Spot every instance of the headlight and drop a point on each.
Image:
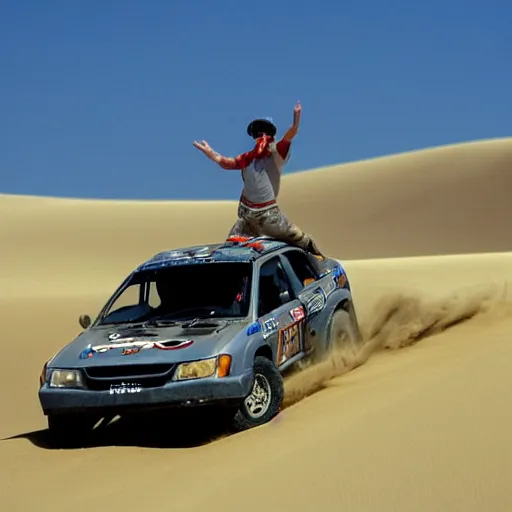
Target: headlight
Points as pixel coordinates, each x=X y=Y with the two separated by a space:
x=218 y=366
x=66 y=379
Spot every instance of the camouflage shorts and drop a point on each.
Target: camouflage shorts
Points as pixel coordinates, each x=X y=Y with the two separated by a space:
x=272 y=223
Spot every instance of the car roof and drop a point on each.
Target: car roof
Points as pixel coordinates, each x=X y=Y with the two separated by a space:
x=248 y=250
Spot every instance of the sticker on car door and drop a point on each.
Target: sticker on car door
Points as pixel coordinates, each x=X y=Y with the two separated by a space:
x=289 y=341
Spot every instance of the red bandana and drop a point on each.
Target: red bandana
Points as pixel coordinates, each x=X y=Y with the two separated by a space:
x=260 y=150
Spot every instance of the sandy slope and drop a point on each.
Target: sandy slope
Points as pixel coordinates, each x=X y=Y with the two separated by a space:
x=422 y=428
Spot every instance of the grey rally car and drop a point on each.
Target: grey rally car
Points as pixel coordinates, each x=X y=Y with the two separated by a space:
x=216 y=325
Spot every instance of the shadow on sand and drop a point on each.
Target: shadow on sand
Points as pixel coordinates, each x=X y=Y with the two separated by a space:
x=148 y=431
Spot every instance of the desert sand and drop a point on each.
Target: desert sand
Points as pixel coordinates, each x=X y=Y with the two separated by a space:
x=420 y=421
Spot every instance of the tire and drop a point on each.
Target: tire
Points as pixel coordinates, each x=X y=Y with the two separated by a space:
x=343 y=334
x=253 y=412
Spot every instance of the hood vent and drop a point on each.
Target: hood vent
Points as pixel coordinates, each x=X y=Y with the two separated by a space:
x=132 y=333
x=203 y=326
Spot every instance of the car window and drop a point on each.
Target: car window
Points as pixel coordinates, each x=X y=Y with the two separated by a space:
x=130 y=298
x=153 y=297
x=301 y=266
x=272 y=282
x=183 y=292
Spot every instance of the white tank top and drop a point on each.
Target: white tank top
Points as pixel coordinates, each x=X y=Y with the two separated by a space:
x=262 y=178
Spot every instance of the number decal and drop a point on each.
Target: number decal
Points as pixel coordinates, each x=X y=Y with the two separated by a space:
x=290 y=341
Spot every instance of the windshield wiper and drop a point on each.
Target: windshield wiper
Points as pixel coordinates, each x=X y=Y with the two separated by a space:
x=192 y=322
x=161 y=322
x=131 y=323
x=144 y=323
x=201 y=321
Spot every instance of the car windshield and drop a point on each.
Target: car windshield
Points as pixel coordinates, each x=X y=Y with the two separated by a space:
x=183 y=292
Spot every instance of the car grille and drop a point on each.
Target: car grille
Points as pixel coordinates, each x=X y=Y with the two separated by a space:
x=146 y=375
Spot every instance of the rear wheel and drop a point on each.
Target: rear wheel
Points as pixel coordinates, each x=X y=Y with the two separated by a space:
x=344 y=335
x=265 y=398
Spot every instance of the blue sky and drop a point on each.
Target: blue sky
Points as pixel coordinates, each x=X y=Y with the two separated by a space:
x=103 y=98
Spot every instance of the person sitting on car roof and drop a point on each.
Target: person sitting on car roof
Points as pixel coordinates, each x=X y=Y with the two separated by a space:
x=258 y=212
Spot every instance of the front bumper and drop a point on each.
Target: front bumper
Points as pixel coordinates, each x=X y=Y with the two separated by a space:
x=195 y=392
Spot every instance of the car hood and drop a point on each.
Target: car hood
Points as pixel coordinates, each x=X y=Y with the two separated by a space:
x=114 y=345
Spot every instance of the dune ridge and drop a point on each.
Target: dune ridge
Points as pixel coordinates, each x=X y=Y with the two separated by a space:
x=416 y=420
x=441 y=201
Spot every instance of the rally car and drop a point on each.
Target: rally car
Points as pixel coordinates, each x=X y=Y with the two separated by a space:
x=216 y=325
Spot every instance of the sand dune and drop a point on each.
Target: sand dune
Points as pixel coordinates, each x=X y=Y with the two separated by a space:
x=446 y=200
x=419 y=420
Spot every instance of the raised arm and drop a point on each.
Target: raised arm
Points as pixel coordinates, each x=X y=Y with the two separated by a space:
x=294 y=128
x=238 y=162
x=224 y=161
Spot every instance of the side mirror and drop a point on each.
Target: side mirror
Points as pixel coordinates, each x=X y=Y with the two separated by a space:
x=284 y=297
x=85 y=321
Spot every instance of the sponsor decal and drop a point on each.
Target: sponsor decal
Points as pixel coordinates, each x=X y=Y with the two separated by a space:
x=134 y=347
x=269 y=327
x=131 y=351
x=125 y=387
x=339 y=277
x=337 y=280
x=131 y=335
x=289 y=343
x=87 y=353
x=253 y=328
x=331 y=285
x=129 y=339
x=316 y=302
x=297 y=313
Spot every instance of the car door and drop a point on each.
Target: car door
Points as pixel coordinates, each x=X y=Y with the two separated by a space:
x=281 y=315
x=311 y=296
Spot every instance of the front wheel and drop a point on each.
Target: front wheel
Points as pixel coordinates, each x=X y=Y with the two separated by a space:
x=265 y=398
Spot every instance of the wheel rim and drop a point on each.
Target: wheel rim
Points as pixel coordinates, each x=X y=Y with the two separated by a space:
x=339 y=336
x=258 y=402
x=343 y=342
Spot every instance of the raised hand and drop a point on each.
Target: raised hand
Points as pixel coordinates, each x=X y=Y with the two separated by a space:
x=204 y=147
x=296 y=114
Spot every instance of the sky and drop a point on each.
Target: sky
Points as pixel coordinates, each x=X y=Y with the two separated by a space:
x=103 y=98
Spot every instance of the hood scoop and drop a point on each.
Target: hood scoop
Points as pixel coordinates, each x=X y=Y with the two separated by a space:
x=203 y=326
x=132 y=333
